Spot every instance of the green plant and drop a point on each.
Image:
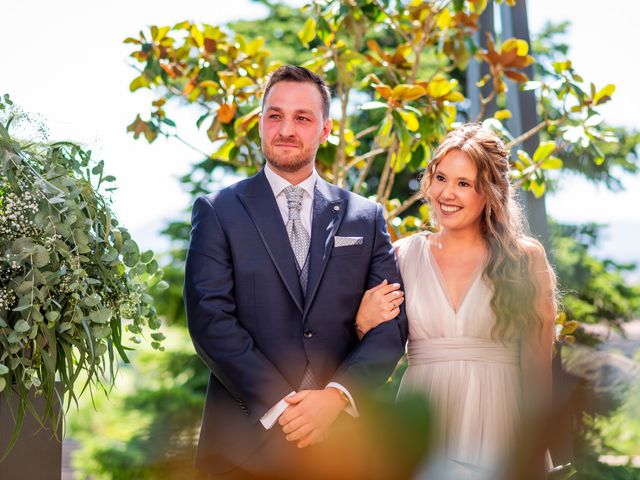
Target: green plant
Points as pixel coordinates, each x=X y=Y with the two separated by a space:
x=71 y=279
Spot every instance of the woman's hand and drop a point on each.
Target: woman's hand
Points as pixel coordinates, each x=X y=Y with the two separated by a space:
x=379 y=304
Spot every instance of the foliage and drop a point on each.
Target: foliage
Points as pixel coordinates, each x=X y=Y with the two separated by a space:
x=70 y=276
x=394 y=67
x=622 y=156
x=593 y=290
x=390 y=65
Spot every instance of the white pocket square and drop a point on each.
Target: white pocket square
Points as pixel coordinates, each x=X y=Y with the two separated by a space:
x=346 y=241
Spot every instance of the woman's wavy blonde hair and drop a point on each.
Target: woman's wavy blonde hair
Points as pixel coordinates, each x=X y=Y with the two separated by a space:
x=509 y=267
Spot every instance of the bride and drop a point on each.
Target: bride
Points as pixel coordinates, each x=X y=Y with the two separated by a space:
x=480 y=299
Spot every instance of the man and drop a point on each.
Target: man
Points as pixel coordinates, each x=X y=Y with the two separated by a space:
x=276 y=269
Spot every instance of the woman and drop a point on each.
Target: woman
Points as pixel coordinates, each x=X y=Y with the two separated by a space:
x=480 y=299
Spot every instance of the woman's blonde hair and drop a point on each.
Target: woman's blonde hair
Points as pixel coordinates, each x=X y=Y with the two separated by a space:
x=509 y=267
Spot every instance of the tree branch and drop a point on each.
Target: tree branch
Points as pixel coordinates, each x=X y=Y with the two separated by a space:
x=365 y=156
x=405 y=205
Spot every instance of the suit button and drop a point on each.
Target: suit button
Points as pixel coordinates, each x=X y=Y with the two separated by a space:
x=308 y=333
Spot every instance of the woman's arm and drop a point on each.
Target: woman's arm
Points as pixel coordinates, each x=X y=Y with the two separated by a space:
x=379 y=304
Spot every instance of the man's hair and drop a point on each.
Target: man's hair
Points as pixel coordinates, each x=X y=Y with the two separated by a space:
x=293 y=73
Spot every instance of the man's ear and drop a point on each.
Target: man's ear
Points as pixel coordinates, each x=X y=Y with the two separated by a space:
x=260 y=125
x=327 y=126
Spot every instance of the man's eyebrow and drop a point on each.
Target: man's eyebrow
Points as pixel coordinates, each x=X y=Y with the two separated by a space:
x=300 y=110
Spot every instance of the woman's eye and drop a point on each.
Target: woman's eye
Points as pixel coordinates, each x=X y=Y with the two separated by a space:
x=464 y=184
x=440 y=178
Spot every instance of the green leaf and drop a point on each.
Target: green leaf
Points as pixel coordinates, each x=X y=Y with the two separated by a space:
x=131 y=259
x=92 y=300
x=537 y=188
x=551 y=163
x=502 y=114
x=604 y=94
x=3 y=369
x=152 y=267
x=101 y=316
x=22 y=326
x=3 y=384
x=543 y=151
x=139 y=82
x=146 y=257
x=410 y=119
x=385 y=132
x=64 y=326
x=40 y=256
x=308 y=32
x=130 y=247
x=52 y=316
x=373 y=105
x=524 y=157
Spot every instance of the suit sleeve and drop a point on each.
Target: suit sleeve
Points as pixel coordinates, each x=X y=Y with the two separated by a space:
x=371 y=362
x=221 y=342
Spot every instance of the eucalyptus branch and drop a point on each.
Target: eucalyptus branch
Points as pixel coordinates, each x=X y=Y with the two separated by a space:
x=405 y=205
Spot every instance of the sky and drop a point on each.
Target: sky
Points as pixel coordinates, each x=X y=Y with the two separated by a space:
x=67 y=63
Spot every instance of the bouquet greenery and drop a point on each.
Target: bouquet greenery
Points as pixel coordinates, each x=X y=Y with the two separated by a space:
x=72 y=280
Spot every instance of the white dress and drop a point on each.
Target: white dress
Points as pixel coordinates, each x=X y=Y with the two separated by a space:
x=471 y=381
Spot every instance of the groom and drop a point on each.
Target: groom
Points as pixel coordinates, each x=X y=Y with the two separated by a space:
x=276 y=268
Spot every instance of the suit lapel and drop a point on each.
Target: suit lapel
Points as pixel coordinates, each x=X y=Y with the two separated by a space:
x=328 y=211
x=257 y=197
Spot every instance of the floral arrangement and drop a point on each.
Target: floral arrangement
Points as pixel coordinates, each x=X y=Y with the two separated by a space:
x=72 y=280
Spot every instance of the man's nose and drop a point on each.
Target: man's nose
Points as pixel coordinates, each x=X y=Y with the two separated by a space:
x=286 y=127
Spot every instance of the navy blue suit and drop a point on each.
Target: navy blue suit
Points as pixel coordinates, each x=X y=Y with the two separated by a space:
x=252 y=325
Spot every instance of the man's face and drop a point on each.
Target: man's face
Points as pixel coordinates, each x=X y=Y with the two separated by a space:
x=292 y=126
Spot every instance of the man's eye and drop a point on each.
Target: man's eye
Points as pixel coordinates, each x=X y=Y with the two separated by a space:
x=274 y=116
x=304 y=119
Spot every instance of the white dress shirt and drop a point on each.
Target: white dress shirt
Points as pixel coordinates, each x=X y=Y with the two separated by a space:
x=278 y=184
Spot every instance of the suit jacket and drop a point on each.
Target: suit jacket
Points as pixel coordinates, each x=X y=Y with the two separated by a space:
x=252 y=325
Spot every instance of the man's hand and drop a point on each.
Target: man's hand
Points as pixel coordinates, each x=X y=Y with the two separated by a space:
x=310 y=414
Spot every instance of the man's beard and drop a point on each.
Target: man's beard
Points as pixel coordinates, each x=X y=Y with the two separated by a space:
x=287 y=163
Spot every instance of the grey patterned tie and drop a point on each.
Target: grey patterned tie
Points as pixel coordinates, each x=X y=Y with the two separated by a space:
x=298 y=236
x=300 y=241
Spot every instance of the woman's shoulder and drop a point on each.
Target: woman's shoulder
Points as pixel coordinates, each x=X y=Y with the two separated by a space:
x=538 y=262
x=410 y=242
x=533 y=249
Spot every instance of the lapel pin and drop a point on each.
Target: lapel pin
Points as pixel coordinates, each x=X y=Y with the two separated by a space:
x=336 y=208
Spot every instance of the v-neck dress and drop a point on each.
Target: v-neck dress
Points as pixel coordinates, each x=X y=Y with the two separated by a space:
x=471 y=380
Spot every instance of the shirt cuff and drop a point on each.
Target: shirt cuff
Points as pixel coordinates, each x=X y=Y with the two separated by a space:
x=351 y=408
x=269 y=419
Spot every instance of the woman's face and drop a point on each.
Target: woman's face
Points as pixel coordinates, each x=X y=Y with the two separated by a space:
x=454 y=198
